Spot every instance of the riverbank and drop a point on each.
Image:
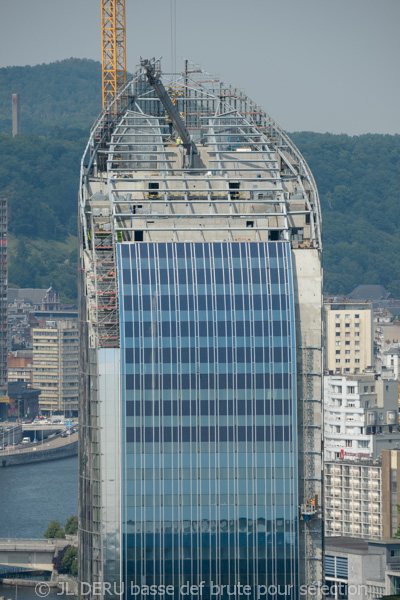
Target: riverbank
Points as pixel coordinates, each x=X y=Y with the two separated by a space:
x=41 y=589
x=59 y=448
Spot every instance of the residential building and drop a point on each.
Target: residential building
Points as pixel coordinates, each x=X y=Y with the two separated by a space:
x=390 y=492
x=391 y=359
x=35 y=298
x=358 y=411
x=20 y=367
x=386 y=336
x=56 y=365
x=348 y=337
x=362 y=496
x=201 y=310
x=353 y=499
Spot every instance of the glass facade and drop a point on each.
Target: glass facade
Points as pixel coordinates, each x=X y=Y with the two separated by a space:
x=209 y=457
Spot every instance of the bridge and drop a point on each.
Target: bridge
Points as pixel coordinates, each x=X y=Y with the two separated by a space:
x=32 y=554
x=51 y=449
x=44 y=427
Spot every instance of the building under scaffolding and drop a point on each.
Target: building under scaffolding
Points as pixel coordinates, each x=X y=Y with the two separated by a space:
x=200 y=292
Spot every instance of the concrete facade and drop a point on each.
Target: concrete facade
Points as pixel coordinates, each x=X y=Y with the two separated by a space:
x=358 y=409
x=353 y=499
x=55 y=366
x=20 y=368
x=32 y=554
x=361 y=497
x=360 y=570
x=390 y=492
x=348 y=337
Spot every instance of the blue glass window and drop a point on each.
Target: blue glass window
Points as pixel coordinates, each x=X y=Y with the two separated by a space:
x=208 y=371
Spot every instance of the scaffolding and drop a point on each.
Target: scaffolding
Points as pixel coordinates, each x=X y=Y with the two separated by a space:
x=104 y=296
x=246 y=181
x=214 y=114
x=310 y=508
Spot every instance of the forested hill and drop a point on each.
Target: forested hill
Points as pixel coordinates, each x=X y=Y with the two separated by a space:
x=357 y=178
x=359 y=187
x=62 y=94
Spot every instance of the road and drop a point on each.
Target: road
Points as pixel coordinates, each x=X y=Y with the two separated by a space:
x=56 y=442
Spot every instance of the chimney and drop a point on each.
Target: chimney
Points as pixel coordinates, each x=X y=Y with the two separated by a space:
x=15 y=115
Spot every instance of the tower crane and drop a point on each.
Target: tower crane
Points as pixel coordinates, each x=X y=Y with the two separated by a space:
x=113 y=48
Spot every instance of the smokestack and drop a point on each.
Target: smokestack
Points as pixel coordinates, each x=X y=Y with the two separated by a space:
x=15 y=115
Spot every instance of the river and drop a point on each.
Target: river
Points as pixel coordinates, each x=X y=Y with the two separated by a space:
x=30 y=497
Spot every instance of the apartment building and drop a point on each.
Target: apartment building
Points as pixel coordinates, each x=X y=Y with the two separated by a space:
x=55 y=366
x=20 y=367
x=391 y=359
x=353 y=499
x=349 y=339
x=361 y=497
x=357 y=410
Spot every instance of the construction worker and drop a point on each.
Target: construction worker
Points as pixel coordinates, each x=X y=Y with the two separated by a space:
x=178 y=141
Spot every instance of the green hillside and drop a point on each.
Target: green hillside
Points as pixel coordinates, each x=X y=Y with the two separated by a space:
x=358 y=182
x=63 y=94
x=357 y=179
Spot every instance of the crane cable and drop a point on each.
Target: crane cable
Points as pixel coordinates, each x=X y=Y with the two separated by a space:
x=173 y=36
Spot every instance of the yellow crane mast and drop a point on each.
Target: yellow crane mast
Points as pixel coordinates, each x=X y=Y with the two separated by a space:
x=113 y=47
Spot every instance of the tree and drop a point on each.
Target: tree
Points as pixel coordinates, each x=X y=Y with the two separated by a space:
x=54 y=530
x=71 y=526
x=57 y=559
x=70 y=560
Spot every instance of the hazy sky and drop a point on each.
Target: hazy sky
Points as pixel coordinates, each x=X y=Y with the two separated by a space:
x=320 y=65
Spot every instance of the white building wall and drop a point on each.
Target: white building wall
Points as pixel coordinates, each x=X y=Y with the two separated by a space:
x=356 y=410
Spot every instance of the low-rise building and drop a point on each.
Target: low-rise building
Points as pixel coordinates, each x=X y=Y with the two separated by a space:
x=358 y=569
x=20 y=367
x=391 y=359
x=24 y=400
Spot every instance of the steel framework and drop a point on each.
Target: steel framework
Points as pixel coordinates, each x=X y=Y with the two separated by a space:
x=113 y=48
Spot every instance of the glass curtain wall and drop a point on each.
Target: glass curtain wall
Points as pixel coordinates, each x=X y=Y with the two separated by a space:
x=209 y=418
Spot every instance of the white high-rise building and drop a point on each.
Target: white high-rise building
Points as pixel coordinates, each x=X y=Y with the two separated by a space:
x=358 y=409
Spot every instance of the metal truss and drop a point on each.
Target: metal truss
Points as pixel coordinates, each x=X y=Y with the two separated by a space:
x=113 y=48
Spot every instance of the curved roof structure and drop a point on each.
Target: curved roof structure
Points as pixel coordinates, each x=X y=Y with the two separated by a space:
x=247 y=174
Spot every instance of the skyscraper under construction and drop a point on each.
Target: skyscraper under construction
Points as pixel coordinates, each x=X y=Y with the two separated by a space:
x=200 y=309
